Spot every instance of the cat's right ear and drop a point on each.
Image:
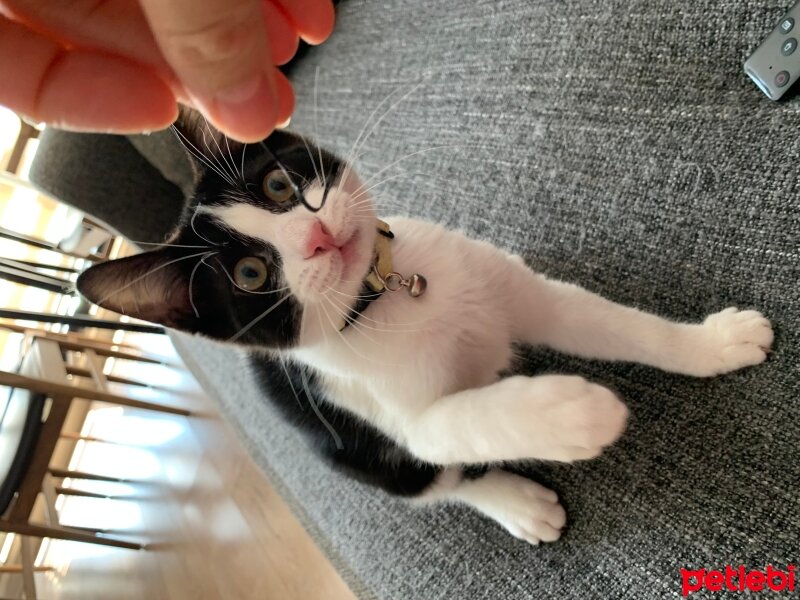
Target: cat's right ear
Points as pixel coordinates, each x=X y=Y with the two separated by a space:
x=153 y=286
x=205 y=145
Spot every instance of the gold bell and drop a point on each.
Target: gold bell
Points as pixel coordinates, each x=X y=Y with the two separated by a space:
x=417 y=285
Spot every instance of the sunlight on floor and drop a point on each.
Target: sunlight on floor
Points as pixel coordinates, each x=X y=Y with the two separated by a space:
x=115 y=425
x=128 y=446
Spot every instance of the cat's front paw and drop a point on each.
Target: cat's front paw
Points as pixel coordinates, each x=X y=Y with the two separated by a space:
x=550 y=417
x=584 y=420
x=730 y=340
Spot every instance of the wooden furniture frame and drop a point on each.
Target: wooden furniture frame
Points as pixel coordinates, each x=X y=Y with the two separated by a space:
x=48 y=352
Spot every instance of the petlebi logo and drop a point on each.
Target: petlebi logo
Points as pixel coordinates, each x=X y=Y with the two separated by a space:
x=739 y=579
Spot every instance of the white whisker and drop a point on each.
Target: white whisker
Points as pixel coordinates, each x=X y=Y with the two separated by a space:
x=230 y=154
x=402 y=158
x=291 y=385
x=361 y=315
x=216 y=160
x=197 y=233
x=221 y=158
x=165 y=245
x=194 y=151
x=249 y=326
x=425 y=181
x=337 y=440
x=191 y=282
x=321 y=328
x=349 y=345
x=244 y=151
x=353 y=153
x=366 y=205
x=386 y=113
x=351 y=323
x=311 y=158
x=316 y=130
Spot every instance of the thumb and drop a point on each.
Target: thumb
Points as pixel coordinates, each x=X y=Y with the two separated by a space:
x=220 y=53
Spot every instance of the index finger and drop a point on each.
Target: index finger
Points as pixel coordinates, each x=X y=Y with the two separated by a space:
x=313 y=19
x=219 y=51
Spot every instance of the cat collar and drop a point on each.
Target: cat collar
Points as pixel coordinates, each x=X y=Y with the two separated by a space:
x=381 y=277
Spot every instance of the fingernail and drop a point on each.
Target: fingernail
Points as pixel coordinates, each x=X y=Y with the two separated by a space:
x=248 y=111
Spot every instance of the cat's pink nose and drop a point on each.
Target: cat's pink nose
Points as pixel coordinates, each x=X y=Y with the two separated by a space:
x=319 y=240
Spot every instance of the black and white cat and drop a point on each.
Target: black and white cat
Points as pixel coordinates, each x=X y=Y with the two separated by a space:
x=403 y=392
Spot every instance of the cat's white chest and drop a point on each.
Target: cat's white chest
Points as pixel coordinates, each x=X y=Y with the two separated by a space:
x=403 y=353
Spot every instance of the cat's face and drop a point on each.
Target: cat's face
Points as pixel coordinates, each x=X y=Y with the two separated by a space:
x=251 y=263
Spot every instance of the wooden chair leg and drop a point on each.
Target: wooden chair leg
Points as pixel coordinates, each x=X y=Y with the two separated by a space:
x=64 y=533
x=108 y=352
x=62 y=491
x=49 y=493
x=77 y=437
x=136 y=382
x=57 y=389
x=96 y=370
x=27 y=559
x=17 y=569
x=26 y=132
x=63 y=473
x=81 y=372
x=92 y=530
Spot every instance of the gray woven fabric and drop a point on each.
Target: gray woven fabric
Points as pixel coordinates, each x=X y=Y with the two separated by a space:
x=618 y=145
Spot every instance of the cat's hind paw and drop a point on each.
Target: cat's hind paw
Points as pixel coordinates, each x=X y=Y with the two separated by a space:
x=527 y=510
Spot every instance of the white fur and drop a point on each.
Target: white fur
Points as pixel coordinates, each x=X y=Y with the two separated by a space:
x=425 y=370
x=528 y=510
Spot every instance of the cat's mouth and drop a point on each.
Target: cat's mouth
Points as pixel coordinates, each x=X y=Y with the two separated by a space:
x=356 y=255
x=349 y=250
x=340 y=262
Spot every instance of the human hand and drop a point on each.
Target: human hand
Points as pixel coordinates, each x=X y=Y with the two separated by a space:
x=122 y=65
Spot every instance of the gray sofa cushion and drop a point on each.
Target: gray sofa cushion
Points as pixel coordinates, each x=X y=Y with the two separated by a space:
x=109 y=178
x=162 y=150
x=617 y=145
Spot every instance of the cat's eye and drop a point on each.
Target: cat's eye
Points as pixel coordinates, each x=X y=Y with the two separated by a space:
x=250 y=273
x=277 y=187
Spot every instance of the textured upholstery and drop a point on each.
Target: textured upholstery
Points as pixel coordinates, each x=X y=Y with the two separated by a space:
x=616 y=144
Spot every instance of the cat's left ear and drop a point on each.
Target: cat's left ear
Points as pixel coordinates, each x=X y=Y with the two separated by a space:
x=153 y=286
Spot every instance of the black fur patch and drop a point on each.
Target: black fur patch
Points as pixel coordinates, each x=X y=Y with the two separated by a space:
x=368 y=455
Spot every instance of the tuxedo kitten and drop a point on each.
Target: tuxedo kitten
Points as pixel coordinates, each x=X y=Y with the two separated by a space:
x=396 y=382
